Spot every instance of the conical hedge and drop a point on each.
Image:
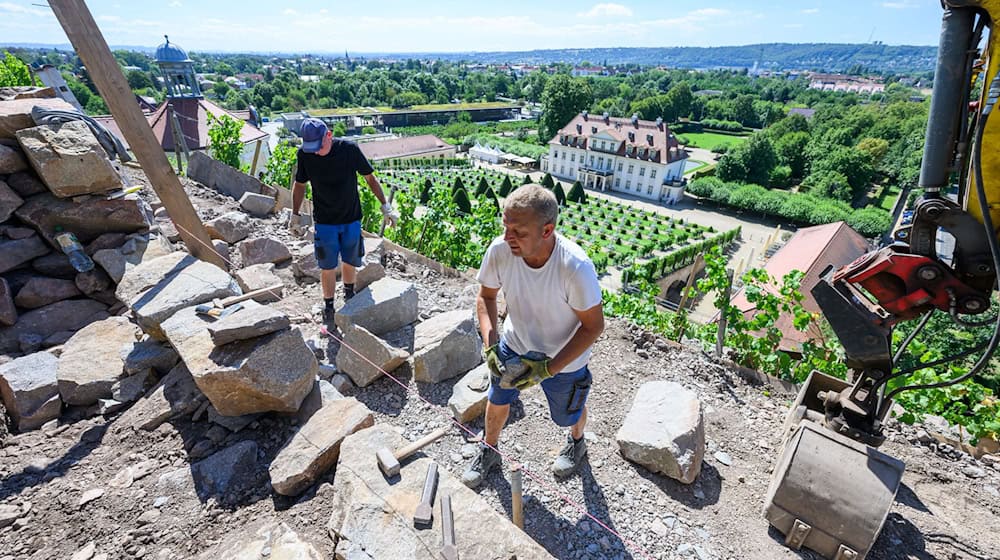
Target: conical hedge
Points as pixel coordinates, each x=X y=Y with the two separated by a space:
x=461 y=199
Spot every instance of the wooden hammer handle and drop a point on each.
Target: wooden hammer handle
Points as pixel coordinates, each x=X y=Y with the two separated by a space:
x=249 y=295
x=412 y=448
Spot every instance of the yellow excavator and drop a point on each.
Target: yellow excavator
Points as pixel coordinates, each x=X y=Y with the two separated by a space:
x=831 y=488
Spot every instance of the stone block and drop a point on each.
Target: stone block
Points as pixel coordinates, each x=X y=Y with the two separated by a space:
x=274 y=372
x=69 y=314
x=263 y=250
x=87 y=217
x=664 y=431
x=41 y=291
x=16 y=114
x=156 y=289
x=468 y=396
x=91 y=361
x=315 y=447
x=69 y=159
x=29 y=390
x=230 y=227
x=360 y=350
x=258 y=276
x=14 y=253
x=250 y=322
x=446 y=345
x=9 y=201
x=11 y=160
x=8 y=313
x=219 y=176
x=257 y=205
x=386 y=305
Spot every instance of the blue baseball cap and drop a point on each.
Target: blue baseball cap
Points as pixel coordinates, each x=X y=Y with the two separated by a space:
x=312 y=132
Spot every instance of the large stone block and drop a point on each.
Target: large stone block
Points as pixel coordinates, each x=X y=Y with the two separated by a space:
x=259 y=276
x=69 y=159
x=9 y=201
x=263 y=250
x=175 y=395
x=66 y=315
x=664 y=431
x=468 y=396
x=274 y=372
x=446 y=345
x=314 y=449
x=16 y=114
x=386 y=305
x=257 y=205
x=149 y=354
x=14 y=253
x=156 y=289
x=29 y=390
x=364 y=357
x=41 y=291
x=304 y=265
x=230 y=227
x=221 y=177
x=26 y=183
x=88 y=218
x=373 y=517
x=250 y=322
x=91 y=361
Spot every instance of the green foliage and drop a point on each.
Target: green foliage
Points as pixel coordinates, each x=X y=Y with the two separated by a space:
x=560 y=194
x=425 y=192
x=339 y=129
x=547 y=182
x=749 y=162
x=224 y=140
x=506 y=187
x=563 y=98
x=458 y=185
x=278 y=171
x=576 y=193
x=14 y=72
x=482 y=186
x=461 y=199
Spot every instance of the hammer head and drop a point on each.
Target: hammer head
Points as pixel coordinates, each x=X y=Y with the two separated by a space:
x=387 y=462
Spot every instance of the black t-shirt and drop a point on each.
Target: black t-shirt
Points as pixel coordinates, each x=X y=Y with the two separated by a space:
x=334 y=182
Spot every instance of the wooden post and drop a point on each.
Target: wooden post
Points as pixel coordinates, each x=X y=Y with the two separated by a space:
x=86 y=38
x=720 y=338
x=176 y=124
x=256 y=155
x=176 y=134
x=690 y=280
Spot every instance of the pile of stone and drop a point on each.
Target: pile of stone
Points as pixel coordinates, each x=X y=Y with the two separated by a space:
x=58 y=178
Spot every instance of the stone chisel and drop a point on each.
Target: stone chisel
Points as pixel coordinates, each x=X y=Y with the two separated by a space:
x=449 y=550
x=425 y=511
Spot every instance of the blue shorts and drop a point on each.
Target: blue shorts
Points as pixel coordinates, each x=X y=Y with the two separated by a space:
x=566 y=392
x=333 y=243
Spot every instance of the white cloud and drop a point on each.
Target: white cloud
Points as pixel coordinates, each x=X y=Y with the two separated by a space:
x=901 y=5
x=9 y=8
x=607 y=10
x=175 y=4
x=290 y=12
x=811 y=11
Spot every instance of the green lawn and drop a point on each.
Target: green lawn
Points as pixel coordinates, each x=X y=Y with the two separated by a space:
x=887 y=199
x=709 y=140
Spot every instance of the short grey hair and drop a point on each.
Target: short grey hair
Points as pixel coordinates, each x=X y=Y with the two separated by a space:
x=535 y=198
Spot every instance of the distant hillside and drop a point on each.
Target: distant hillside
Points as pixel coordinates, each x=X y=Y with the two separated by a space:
x=773 y=56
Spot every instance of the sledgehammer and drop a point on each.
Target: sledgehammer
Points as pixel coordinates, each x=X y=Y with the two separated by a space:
x=388 y=460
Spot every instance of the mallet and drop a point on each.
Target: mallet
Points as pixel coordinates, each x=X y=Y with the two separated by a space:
x=388 y=460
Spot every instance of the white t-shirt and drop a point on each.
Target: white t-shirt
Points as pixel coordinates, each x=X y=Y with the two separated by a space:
x=540 y=301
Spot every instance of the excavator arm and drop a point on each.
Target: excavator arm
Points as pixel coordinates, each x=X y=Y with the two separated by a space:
x=831 y=488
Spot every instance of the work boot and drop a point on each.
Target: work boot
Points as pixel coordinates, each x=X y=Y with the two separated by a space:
x=480 y=466
x=348 y=291
x=329 y=313
x=569 y=457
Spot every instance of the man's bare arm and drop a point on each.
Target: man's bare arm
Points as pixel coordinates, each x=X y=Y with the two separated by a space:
x=591 y=327
x=486 y=312
x=298 y=193
x=375 y=186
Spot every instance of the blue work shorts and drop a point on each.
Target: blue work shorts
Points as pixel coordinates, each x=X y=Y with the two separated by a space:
x=335 y=242
x=566 y=392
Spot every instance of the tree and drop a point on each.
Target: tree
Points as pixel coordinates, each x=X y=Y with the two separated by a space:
x=560 y=194
x=458 y=185
x=339 y=129
x=563 y=98
x=547 y=181
x=527 y=179
x=576 y=193
x=482 y=186
x=14 y=72
x=425 y=192
x=224 y=140
x=220 y=89
x=368 y=130
x=751 y=161
x=137 y=79
x=791 y=151
x=461 y=199
x=279 y=165
x=506 y=186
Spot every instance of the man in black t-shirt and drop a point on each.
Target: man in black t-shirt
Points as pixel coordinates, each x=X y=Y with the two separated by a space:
x=331 y=165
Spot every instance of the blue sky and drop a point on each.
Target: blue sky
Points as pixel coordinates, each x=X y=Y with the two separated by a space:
x=455 y=25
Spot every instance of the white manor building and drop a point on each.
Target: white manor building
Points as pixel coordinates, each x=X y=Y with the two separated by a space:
x=641 y=158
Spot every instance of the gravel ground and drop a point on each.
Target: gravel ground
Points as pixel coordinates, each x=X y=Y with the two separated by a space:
x=947 y=507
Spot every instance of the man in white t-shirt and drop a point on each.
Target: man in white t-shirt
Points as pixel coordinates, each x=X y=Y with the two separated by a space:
x=554 y=316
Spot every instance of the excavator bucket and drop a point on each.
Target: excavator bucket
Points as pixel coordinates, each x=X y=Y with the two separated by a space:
x=829 y=493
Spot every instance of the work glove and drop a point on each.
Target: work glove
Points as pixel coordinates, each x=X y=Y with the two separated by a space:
x=492 y=359
x=536 y=370
x=294 y=227
x=389 y=214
